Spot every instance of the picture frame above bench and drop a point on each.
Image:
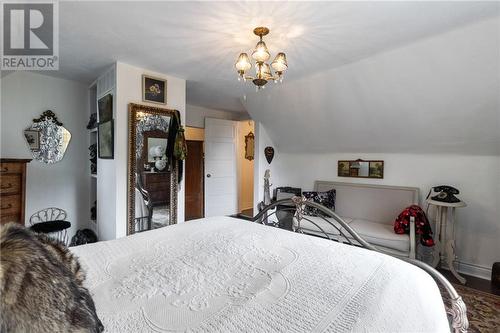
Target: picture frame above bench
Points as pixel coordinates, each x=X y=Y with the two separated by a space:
x=361 y=169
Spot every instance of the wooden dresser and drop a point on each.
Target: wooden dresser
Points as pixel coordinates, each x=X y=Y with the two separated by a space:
x=12 y=189
x=158 y=186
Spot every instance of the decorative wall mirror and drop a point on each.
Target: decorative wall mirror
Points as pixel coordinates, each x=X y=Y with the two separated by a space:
x=361 y=169
x=47 y=138
x=249 y=146
x=153 y=173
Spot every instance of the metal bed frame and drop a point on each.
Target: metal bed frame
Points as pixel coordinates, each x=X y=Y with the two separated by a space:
x=297 y=205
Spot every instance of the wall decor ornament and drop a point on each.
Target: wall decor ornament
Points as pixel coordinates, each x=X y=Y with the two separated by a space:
x=269 y=153
x=92 y=121
x=250 y=146
x=93 y=158
x=47 y=138
x=154 y=90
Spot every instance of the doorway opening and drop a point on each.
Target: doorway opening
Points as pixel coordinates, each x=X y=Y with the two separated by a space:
x=219 y=169
x=246 y=154
x=194 y=174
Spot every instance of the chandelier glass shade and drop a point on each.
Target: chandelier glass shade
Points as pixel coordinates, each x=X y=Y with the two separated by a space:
x=261 y=55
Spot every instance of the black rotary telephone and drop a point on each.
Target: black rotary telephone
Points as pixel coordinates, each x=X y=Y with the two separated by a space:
x=444 y=193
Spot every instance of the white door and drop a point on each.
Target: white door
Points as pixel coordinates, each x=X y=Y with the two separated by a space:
x=221 y=186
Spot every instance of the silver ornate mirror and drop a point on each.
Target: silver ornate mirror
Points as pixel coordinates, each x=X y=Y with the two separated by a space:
x=47 y=138
x=152 y=172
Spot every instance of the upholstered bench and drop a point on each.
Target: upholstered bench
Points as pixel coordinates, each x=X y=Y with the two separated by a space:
x=370 y=210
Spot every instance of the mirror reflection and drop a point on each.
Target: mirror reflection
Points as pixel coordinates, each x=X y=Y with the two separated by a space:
x=47 y=138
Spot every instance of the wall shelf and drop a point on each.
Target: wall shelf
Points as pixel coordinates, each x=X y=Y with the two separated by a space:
x=92 y=139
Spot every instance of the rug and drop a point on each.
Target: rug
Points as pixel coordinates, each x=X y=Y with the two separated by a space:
x=483 y=309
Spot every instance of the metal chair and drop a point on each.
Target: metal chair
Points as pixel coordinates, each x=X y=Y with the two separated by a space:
x=51 y=221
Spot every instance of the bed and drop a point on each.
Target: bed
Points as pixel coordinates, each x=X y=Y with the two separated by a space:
x=224 y=274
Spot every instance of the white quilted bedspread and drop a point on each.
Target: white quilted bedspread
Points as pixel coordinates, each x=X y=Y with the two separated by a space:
x=228 y=275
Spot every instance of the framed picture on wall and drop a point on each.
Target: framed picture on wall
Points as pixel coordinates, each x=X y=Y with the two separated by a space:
x=154 y=90
x=105 y=106
x=361 y=169
x=33 y=139
x=106 y=140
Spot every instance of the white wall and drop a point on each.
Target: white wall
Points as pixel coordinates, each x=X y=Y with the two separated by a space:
x=262 y=141
x=195 y=115
x=477 y=178
x=65 y=184
x=245 y=167
x=128 y=90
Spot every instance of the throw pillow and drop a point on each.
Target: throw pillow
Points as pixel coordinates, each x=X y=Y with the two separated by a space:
x=326 y=199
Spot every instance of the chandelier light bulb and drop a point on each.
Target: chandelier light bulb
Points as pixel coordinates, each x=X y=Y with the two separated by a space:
x=243 y=63
x=261 y=53
x=280 y=64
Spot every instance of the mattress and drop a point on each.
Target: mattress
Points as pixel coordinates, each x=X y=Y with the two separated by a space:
x=227 y=275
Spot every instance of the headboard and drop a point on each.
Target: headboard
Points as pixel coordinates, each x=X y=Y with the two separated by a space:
x=378 y=203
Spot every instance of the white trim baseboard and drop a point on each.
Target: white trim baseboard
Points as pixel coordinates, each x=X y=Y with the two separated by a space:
x=479 y=271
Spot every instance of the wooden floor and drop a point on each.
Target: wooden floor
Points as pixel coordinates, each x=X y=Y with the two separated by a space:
x=473 y=282
x=247 y=212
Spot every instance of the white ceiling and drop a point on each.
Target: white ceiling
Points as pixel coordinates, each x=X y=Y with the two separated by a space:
x=200 y=41
x=438 y=95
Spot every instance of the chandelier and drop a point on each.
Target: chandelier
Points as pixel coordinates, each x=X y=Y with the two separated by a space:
x=261 y=54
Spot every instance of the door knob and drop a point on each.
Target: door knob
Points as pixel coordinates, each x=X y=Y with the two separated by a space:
x=209 y=175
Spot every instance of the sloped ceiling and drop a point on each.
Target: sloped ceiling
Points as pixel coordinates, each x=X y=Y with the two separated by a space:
x=199 y=41
x=437 y=95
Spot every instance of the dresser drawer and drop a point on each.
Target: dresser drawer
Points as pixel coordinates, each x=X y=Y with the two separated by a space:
x=10 y=205
x=10 y=184
x=10 y=218
x=159 y=177
x=153 y=187
x=11 y=168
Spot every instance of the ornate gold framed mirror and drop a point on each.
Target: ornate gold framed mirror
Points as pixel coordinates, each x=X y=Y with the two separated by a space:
x=153 y=172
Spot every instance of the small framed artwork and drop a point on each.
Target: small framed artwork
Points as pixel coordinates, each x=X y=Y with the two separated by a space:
x=361 y=169
x=376 y=169
x=343 y=169
x=105 y=106
x=154 y=90
x=33 y=139
x=106 y=140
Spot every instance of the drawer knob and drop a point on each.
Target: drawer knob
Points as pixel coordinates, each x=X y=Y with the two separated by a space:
x=7 y=206
x=4 y=187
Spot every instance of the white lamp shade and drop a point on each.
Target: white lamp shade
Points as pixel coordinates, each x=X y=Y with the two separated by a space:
x=280 y=64
x=261 y=54
x=263 y=71
x=243 y=63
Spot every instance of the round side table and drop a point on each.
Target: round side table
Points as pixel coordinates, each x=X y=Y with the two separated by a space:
x=444 y=248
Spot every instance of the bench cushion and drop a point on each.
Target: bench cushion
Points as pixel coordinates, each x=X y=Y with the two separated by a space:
x=381 y=234
x=307 y=225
